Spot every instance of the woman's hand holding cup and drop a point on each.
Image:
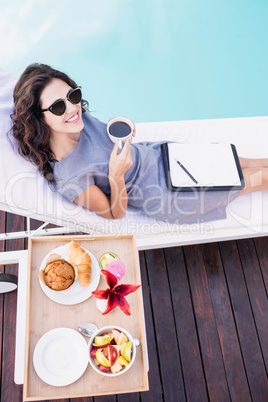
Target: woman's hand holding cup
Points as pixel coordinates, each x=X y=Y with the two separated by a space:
x=120 y=162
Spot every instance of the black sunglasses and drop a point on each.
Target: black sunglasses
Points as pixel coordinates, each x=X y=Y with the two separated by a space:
x=59 y=106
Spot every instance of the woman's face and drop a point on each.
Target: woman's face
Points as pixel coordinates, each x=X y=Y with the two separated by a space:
x=71 y=120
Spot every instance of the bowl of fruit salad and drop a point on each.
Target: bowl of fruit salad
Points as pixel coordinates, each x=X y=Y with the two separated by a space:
x=112 y=351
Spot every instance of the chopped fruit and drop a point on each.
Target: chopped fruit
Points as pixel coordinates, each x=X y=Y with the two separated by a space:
x=104 y=369
x=122 y=347
x=116 y=334
x=112 y=355
x=121 y=339
x=127 y=351
x=102 y=359
x=93 y=352
x=122 y=361
x=111 y=335
x=118 y=348
x=105 y=351
x=100 y=346
x=102 y=340
x=116 y=367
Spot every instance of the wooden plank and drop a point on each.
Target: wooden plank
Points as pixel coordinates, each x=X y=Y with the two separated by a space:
x=132 y=397
x=107 y=398
x=233 y=362
x=167 y=344
x=185 y=324
x=155 y=387
x=207 y=329
x=59 y=400
x=256 y=291
x=252 y=356
x=261 y=244
x=9 y=390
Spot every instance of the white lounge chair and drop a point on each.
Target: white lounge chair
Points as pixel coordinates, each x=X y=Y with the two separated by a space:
x=23 y=191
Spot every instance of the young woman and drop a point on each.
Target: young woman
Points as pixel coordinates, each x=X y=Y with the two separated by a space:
x=71 y=148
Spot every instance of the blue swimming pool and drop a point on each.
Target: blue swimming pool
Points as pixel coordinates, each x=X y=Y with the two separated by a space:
x=150 y=60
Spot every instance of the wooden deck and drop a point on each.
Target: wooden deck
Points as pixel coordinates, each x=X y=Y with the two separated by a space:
x=206 y=311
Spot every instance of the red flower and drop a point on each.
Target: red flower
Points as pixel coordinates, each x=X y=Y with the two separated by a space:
x=115 y=294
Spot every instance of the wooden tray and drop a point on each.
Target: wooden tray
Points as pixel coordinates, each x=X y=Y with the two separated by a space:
x=43 y=314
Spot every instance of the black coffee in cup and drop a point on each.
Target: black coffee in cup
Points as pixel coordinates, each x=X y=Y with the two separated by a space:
x=119 y=129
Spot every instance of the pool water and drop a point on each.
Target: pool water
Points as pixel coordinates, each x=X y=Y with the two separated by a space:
x=149 y=60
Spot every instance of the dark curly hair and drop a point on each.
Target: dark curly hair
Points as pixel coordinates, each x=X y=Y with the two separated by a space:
x=29 y=127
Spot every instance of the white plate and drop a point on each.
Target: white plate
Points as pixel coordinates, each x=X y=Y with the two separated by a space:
x=76 y=294
x=60 y=356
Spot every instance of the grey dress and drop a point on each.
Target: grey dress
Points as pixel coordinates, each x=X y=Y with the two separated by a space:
x=145 y=180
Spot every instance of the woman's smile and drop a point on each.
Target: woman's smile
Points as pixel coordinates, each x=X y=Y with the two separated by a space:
x=73 y=119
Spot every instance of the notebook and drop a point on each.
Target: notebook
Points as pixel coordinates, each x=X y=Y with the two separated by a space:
x=202 y=167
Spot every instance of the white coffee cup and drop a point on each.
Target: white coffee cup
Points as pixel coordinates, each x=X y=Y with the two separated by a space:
x=120 y=129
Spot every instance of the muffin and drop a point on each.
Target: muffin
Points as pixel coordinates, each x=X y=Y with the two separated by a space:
x=58 y=273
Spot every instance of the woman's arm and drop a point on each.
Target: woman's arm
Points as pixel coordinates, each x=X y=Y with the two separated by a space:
x=93 y=197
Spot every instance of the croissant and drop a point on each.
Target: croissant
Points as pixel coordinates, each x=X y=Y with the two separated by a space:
x=82 y=261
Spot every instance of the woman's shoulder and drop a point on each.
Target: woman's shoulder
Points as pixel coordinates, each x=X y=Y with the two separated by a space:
x=92 y=122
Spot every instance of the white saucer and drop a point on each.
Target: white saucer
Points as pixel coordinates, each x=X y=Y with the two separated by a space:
x=60 y=356
x=76 y=294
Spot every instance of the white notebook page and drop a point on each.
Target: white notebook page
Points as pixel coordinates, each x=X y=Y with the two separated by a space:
x=210 y=164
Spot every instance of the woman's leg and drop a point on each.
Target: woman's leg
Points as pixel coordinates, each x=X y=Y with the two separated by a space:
x=253 y=163
x=256 y=179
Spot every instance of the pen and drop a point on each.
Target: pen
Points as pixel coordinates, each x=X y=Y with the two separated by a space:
x=186 y=171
